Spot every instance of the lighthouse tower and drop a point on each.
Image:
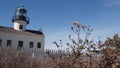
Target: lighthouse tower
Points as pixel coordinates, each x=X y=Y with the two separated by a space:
x=20 y=19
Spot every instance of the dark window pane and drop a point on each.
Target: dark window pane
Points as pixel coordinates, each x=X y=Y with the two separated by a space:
x=31 y=44
x=0 y=42
x=8 y=42
x=38 y=45
x=20 y=27
x=20 y=45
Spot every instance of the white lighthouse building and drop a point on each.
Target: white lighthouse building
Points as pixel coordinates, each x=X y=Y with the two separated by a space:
x=20 y=19
x=21 y=38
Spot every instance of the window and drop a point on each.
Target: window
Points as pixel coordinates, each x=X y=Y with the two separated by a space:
x=31 y=44
x=20 y=45
x=0 y=42
x=38 y=45
x=20 y=27
x=8 y=42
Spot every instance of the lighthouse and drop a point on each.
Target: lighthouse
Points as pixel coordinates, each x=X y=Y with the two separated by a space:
x=20 y=19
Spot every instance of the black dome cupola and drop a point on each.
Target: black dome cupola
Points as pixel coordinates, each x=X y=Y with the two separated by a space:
x=21 y=10
x=21 y=14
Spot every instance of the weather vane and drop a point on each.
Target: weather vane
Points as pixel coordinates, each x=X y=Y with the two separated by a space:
x=20 y=2
x=74 y=19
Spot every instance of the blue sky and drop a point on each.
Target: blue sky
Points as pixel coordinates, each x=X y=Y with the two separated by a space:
x=56 y=16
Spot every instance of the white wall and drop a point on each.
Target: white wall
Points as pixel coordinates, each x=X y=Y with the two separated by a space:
x=17 y=23
x=26 y=38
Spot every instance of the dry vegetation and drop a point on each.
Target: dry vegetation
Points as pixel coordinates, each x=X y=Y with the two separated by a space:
x=81 y=53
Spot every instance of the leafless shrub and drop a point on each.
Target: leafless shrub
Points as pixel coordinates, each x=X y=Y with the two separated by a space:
x=12 y=58
x=99 y=55
x=110 y=52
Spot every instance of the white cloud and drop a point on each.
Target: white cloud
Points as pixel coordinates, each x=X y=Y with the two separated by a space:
x=112 y=3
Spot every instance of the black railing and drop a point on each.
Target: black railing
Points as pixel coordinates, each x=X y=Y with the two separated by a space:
x=21 y=17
